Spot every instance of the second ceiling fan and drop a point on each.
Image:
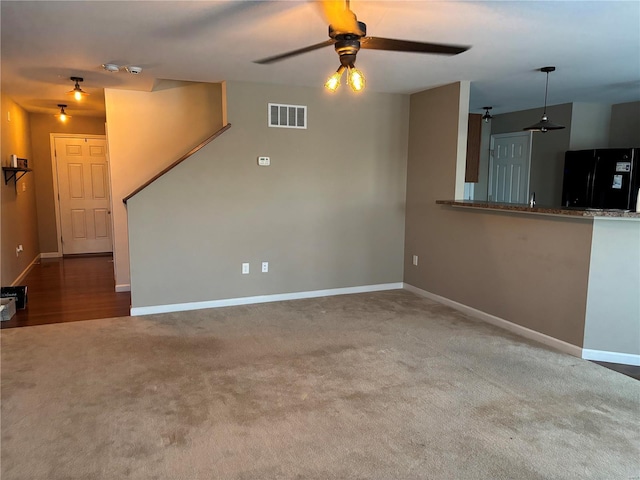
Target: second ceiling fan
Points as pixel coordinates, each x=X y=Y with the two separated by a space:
x=348 y=35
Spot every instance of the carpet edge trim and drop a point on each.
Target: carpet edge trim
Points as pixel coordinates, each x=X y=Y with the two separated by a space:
x=278 y=297
x=525 y=332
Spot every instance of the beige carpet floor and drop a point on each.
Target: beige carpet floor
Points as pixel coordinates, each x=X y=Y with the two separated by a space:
x=373 y=386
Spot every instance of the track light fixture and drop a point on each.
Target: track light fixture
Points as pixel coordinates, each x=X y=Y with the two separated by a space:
x=62 y=116
x=487 y=116
x=544 y=125
x=355 y=79
x=77 y=92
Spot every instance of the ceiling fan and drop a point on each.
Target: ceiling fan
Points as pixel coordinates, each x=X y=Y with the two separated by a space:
x=348 y=35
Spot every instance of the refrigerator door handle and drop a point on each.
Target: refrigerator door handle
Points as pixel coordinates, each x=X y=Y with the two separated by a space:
x=591 y=181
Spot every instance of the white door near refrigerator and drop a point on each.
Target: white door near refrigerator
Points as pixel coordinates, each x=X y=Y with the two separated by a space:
x=509 y=166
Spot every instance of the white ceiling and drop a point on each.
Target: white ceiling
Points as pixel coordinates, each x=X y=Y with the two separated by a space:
x=595 y=46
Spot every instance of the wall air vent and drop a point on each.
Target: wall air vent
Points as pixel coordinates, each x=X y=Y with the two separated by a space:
x=287 y=116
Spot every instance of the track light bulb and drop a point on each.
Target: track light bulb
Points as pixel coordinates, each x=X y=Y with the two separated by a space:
x=356 y=79
x=333 y=82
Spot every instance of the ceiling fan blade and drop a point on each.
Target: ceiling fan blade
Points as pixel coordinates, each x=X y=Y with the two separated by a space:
x=293 y=53
x=376 y=43
x=340 y=17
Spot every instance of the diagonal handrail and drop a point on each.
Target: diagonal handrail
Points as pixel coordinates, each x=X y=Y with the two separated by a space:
x=177 y=162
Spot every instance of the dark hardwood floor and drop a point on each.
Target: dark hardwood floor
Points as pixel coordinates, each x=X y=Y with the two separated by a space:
x=70 y=289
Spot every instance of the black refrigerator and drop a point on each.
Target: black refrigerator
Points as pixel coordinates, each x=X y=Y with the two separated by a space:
x=602 y=178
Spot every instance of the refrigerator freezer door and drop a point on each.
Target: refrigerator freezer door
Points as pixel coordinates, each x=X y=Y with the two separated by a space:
x=577 y=184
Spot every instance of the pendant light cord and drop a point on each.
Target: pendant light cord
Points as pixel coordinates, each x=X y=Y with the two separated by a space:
x=546 y=89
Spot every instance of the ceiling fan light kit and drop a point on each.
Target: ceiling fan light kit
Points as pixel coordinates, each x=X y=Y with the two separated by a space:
x=77 y=92
x=355 y=79
x=544 y=125
x=348 y=35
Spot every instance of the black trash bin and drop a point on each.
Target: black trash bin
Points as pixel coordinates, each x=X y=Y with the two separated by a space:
x=19 y=292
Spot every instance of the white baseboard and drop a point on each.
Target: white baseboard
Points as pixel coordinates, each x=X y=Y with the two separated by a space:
x=26 y=271
x=500 y=322
x=611 y=357
x=51 y=255
x=123 y=287
x=230 y=302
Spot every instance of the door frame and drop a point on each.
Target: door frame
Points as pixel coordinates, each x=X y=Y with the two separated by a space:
x=491 y=152
x=56 y=191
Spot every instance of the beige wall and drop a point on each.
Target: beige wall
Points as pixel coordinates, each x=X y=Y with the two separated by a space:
x=590 y=123
x=328 y=212
x=531 y=271
x=18 y=218
x=148 y=131
x=41 y=127
x=625 y=125
x=547 y=152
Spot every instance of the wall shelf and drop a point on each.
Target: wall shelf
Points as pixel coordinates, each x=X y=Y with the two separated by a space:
x=15 y=174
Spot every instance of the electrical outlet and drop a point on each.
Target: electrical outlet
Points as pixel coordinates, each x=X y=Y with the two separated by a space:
x=415 y=260
x=245 y=268
x=265 y=267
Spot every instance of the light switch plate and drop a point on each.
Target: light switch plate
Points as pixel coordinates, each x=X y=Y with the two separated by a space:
x=264 y=161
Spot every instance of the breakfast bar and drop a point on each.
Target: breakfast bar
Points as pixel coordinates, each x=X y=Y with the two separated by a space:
x=612 y=310
x=542 y=210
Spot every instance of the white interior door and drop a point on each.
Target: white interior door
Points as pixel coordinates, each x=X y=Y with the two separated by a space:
x=509 y=165
x=83 y=188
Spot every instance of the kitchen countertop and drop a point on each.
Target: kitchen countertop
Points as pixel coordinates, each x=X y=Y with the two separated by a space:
x=541 y=209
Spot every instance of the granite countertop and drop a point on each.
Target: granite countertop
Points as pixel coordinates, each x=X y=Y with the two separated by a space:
x=541 y=209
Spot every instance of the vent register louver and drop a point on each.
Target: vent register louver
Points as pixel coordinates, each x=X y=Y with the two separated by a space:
x=287 y=116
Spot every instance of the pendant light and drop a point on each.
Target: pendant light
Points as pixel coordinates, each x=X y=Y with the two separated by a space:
x=62 y=116
x=77 y=92
x=544 y=125
x=487 y=116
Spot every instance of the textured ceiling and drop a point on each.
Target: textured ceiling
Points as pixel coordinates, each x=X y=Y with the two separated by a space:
x=595 y=46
